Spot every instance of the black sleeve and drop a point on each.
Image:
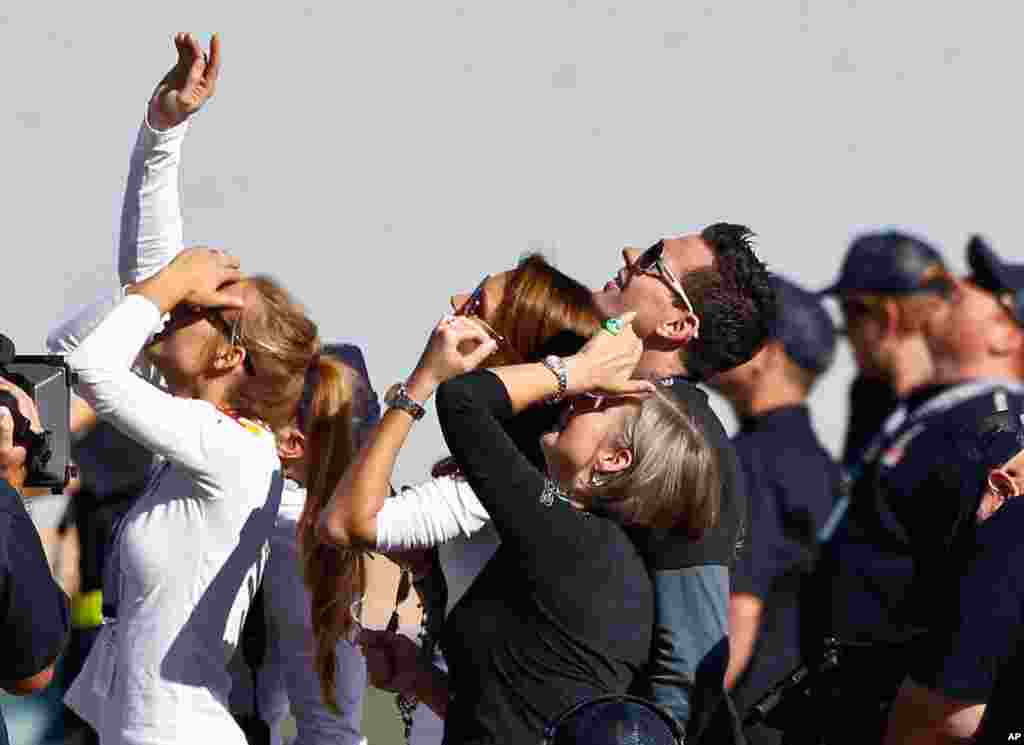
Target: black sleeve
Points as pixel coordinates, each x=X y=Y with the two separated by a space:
x=471 y=409
x=34 y=617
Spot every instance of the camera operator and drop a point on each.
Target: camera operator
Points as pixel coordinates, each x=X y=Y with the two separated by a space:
x=34 y=617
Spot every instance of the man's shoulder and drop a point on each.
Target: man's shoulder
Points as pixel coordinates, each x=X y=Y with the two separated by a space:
x=11 y=505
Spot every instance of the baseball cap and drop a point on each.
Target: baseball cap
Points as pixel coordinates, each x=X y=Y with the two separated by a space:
x=614 y=720
x=990 y=273
x=889 y=263
x=803 y=326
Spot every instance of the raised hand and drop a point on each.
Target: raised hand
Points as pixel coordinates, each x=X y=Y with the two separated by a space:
x=457 y=345
x=197 y=276
x=189 y=84
x=607 y=361
x=13 y=457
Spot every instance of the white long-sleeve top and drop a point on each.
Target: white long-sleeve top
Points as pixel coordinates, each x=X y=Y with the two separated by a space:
x=446 y=513
x=190 y=553
x=151 y=236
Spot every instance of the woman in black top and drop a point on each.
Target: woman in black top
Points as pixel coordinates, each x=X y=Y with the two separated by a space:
x=564 y=610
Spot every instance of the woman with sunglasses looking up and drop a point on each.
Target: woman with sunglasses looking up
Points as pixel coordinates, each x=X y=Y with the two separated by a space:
x=564 y=610
x=240 y=363
x=524 y=312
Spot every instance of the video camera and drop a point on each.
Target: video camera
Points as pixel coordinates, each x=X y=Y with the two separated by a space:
x=47 y=379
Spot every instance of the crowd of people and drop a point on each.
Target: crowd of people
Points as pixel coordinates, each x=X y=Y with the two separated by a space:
x=597 y=561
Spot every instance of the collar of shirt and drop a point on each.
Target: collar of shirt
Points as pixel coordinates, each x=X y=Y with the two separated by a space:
x=784 y=417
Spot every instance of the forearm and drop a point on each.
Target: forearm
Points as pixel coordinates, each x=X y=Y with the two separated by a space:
x=151 y=221
x=533 y=383
x=690 y=637
x=351 y=515
x=744 y=622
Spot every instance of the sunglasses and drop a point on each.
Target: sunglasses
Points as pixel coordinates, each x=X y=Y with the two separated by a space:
x=585 y=403
x=471 y=309
x=652 y=262
x=231 y=331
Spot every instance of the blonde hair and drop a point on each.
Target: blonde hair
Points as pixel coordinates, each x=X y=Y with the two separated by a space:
x=673 y=481
x=334 y=576
x=280 y=341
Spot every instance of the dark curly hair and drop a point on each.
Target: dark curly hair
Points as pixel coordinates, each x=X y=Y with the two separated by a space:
x=734 y=299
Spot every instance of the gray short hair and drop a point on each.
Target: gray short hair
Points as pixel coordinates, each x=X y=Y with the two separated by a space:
x=673 y=481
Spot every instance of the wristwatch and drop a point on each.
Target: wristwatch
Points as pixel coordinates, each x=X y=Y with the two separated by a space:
x=557 y=367
x=397 y=397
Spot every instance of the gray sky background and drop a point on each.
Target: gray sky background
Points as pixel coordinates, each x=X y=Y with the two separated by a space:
x=380 y=156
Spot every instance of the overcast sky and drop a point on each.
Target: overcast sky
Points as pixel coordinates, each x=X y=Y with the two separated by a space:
x=379 y=156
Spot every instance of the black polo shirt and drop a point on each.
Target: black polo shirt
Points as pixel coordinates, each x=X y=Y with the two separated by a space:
x=871 y=403
x=973 y=653
x=793 y=485
x=868 y=566
x=34 y=618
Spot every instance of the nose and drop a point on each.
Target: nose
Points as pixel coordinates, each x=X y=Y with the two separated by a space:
x=458 y=301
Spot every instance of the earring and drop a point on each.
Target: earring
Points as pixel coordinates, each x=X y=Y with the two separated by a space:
x=596 y=481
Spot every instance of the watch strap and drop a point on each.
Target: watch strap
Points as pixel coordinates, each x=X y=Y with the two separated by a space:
x=398 y=398
x=557 y=367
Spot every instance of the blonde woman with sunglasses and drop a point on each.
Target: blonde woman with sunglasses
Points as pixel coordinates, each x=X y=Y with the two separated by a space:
x=563 y=611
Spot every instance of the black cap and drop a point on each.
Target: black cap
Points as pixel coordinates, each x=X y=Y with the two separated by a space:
x=614 y=720
x=888 y=263
x=803 y=326
x=990 y=273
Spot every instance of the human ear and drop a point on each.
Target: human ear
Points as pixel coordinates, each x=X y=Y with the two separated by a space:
x=680 y=329
x=229 y=357
x=291 y=443
x=1002 y=485
x=611 y=460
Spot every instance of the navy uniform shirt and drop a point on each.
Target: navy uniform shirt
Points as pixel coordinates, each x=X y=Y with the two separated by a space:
x=793 y=484
x=869 y=562
x=973 y=653
x=871 y=403
x=34 y=619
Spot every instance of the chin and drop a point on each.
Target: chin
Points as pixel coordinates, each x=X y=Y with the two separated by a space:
x=608 y=302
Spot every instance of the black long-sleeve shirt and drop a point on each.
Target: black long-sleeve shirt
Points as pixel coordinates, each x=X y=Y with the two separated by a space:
x=563 y=612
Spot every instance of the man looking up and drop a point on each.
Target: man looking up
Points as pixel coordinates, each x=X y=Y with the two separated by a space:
x=704 y=304
x=793 y=483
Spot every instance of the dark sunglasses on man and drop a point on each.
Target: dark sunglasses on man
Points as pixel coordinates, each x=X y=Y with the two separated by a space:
x=652 y=263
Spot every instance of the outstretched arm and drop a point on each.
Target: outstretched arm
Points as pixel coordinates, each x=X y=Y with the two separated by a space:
x=151 y=223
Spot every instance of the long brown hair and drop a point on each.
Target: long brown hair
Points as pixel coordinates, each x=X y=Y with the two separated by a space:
x=540 y=302
x=334 y=576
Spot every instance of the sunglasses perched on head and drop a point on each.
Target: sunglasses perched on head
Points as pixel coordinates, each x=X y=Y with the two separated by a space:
x=652 y=262
x=471 y=309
